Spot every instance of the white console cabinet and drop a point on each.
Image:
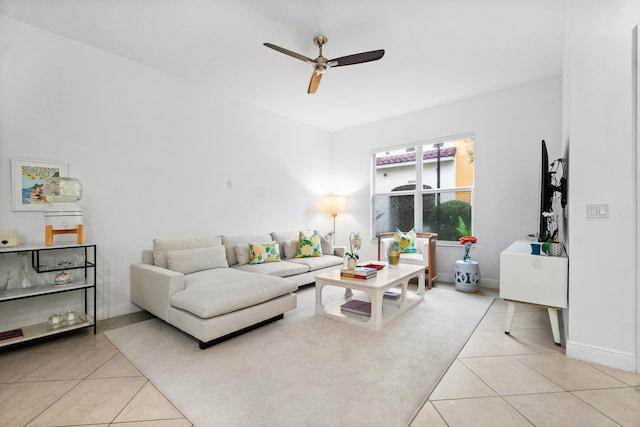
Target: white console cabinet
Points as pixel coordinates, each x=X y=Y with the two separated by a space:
x=533 y=279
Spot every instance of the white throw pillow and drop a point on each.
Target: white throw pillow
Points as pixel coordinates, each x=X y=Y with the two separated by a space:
x=243 y=254
x=290 y=248
x=191 y=260
x=327 y=242
x=161 y=246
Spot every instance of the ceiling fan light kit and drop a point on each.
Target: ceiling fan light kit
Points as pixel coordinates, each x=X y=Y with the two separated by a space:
x=322 y=64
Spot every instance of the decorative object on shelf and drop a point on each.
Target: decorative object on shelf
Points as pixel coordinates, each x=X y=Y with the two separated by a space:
x=355 y=243
x=78 y=260
x=24 y=279
x=72 y=316
x=467 y=241
x=333 y=205
x=28 y=178
x=555 y=249
x=552 y=246
x=535 y=248
x=63 y=278
x=8 y=238
x=14 y=333
x=55 y=319
x=393 y=255
x=4 y=280
x=61 y=320
x=63 y=216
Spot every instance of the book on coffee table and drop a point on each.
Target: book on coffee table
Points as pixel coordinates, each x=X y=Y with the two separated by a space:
x=356 y=306
x=392 y=294
x=359 y=273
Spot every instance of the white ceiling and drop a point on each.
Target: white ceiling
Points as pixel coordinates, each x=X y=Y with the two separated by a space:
x=437 y=51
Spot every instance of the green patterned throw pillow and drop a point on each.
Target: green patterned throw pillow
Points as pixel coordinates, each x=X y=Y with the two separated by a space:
x=406 y=241
x=309 y=246
x=264 y=252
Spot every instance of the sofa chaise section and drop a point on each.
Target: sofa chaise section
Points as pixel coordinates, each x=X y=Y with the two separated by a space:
x=210 y=288
x=212 y=304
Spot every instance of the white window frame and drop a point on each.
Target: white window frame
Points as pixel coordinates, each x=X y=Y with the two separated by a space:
x=419 y=191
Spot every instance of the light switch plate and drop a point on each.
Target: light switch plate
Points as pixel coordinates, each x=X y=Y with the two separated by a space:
x=598 y=210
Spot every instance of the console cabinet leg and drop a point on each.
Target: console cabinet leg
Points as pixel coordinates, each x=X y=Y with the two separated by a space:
x=511 y=311
x=555 y=325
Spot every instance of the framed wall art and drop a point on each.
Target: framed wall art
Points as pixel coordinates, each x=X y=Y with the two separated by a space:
x=27 y=180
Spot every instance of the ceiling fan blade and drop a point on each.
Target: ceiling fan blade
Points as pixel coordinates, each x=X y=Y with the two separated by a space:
x=315 y=81
x=290 y=53
x=357 y=58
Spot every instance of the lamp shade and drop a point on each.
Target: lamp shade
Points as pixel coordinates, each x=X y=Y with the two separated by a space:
x=333 y=204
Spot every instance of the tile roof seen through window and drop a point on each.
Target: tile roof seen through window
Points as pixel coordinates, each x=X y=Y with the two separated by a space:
x=411 y=157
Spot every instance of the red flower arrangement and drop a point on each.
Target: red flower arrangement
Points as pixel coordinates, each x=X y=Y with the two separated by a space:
x=467 y=241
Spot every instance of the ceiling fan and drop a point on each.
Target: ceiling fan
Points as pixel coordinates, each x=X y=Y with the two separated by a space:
x=322 y=64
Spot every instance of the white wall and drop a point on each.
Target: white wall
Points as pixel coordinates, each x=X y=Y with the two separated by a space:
x=508 y=126
x=602 y=287
x=153 y=152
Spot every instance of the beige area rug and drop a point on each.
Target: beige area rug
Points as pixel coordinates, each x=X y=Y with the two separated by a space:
x=307 y=370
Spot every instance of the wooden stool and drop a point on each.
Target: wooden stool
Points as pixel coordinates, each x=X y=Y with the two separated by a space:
x=49 y=232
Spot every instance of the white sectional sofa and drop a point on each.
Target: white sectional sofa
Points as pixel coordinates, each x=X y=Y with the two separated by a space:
x=208 y=287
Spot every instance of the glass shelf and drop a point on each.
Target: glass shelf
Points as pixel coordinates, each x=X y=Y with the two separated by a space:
x=37 y=290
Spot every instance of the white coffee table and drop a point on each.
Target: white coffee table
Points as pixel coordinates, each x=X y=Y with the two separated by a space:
x=386 y=278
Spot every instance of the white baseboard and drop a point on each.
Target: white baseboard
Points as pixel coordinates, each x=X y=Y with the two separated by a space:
x=114 y=311
x=484 y=283
x=601 y=356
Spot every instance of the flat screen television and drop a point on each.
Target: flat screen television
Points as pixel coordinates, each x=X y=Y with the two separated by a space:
x=546 y=192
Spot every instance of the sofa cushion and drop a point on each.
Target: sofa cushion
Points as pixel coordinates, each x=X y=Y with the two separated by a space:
x=211 y=293
x=287 y=236
x=317 y=263
x=279 y=269
x=327 y=243
x=264 y=252
x=406 y=241
x=191 y=260
x=243 y=255
x=309 y=245
x=230 y=243
x=290 y=248
x=161 y=246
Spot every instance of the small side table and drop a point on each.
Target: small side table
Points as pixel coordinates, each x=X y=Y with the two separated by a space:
x=467 y=276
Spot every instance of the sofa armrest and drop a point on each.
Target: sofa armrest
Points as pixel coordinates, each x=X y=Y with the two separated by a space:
x=152 y=287
x=339 y=251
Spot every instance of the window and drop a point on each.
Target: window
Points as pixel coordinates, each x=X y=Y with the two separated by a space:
x=428 y=187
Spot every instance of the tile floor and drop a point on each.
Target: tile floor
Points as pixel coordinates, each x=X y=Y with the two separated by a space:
x=496 y=380
x=80 y=379
x=524 y=379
